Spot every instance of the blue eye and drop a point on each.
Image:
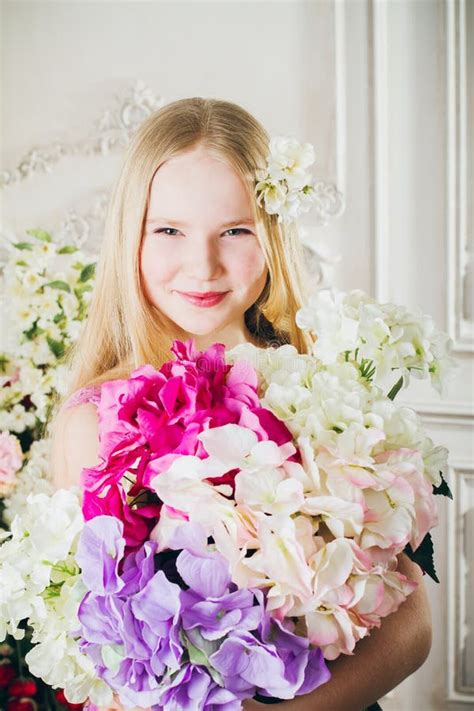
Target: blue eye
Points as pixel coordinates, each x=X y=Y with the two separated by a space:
x=164 y=229
x=237 y=229
x=167 y=230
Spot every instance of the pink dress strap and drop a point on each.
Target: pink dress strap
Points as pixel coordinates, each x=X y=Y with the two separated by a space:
x=91 y=393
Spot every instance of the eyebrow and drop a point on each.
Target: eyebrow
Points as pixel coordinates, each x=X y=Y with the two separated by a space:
x=243 y=221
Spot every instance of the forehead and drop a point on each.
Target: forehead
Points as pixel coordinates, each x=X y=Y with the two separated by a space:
x=197 y=184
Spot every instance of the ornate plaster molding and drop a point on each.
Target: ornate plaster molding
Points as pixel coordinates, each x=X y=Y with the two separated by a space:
x=112 y=132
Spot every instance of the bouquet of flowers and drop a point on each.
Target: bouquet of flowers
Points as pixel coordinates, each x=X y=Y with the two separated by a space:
x=244 y=520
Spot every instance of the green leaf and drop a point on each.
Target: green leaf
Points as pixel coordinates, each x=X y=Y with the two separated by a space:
x=367 y=369
x=88 y=272
x=67 y=249
x=59 y=318
x=424 y=556
x=82 y=310
x=393 y=392
x=443 y=489
x=40 y=234
x=56 y=347
x=4 y=360
x=58 y=284
x=21 y=263
x=24 y=245
x=79 y=290
x=32 y=332
x=53 y=590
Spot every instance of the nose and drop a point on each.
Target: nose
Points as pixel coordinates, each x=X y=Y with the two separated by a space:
x=203 y=261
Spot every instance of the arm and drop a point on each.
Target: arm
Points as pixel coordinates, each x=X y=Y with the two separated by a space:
x=74 y=444
x=381 y=660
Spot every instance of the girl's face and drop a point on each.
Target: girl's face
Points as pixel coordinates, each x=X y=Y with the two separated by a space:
x=201 y=262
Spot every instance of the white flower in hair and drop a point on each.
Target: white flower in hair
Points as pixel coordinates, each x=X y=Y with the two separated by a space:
x=289 y=159
x=286 y=186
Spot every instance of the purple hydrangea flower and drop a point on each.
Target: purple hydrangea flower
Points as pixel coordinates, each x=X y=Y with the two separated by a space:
x=247 y=665
x=99 y=552
x=200 y=645
x=130 y=624
x=283 y=669
x=193 y=689
x=304 y=666
x=212 y=604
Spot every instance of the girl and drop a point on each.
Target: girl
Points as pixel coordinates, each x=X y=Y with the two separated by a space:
x=188 y=252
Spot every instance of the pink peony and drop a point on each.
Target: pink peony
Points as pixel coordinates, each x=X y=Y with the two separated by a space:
x=138 y=520
x=155 y=416
x=11 y=458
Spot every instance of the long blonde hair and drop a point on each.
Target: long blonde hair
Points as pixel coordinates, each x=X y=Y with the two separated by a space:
x=123 y=329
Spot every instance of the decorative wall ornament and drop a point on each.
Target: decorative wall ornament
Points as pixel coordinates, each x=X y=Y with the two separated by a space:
x=112 y=132
x=85 y=230
x=460 y=256
x=320 y=261
x=460 y=607
x=329 y=203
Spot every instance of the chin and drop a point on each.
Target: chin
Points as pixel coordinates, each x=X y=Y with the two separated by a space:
x=197 y=330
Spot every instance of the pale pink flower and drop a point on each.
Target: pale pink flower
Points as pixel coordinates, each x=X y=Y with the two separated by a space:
x=334 y=629
x=409 y=465
x=11 y=458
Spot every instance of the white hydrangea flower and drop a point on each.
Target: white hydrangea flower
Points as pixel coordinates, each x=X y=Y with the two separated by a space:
x=30 y=377
x=4 y=420
x=47 y=303
x=73 y=329
x=42 y=254
x=273 y=194
x=24 y=316
x=288 y=157
x=41 y=537
x=18 y=419
x=30 y=280
x=56 y=657
x=38 y=352
x=34 y=478
x=285 y=186
x=41 y=402
x=50 y=523
x=69 y=305
x=385 y=337
x=435 y=459
x=336 y=331
x=58 y=378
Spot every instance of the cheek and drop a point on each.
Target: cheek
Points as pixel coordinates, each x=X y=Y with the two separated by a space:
x=249 y=266
x=156 y=267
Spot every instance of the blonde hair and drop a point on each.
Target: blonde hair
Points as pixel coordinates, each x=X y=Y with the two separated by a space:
x=123 y=329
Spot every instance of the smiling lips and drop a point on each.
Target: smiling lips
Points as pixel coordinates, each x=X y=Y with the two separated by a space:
x=204 y=299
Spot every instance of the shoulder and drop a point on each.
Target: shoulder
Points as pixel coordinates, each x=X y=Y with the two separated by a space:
x=90 y=393
x=74 y=442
